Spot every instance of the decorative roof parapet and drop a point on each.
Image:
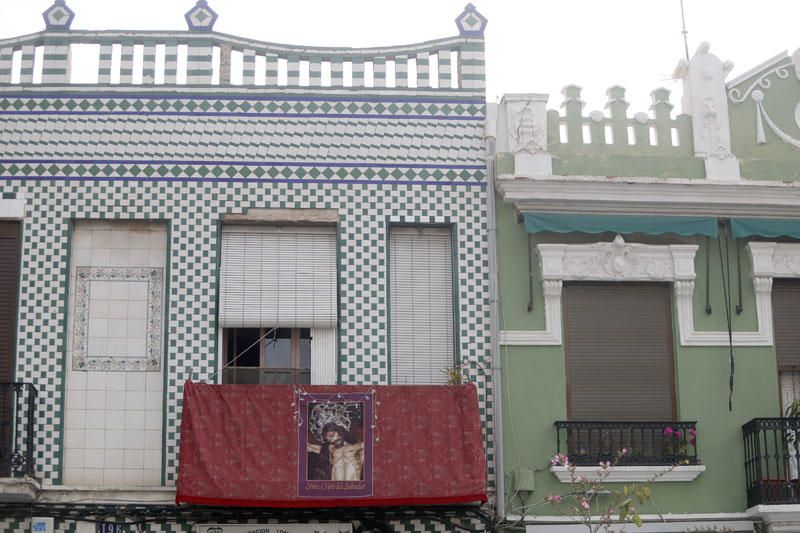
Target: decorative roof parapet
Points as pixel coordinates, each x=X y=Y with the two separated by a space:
x=201 y=17
x=58 y=16
x=706 y=100
x=459 y=59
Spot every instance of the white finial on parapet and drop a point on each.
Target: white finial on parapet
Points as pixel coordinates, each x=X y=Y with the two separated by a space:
x=58 y=16
x=706 y=100
x=201 y=17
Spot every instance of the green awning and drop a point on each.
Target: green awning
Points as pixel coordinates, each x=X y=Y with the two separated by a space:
x=624 y=224
x=765 y=227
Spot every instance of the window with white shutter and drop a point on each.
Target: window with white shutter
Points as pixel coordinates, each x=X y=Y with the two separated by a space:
x=421 y=304
x=278 y=304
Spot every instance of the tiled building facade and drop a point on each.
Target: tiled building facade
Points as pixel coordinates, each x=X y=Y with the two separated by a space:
x=122 y=191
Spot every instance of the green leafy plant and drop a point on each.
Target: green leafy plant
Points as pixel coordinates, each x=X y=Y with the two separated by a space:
x=594 y=503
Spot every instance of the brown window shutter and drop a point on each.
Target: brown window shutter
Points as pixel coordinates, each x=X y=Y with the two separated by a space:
x=9 y=286
x=619 y=351
x=786 y=317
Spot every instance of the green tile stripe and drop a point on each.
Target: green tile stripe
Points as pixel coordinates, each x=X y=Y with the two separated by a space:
x=244 y=105
x=91 y=172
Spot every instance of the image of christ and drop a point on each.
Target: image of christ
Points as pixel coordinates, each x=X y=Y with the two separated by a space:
x=336 y=453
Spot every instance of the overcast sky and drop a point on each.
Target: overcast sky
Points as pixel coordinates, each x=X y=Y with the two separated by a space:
x=532 y=45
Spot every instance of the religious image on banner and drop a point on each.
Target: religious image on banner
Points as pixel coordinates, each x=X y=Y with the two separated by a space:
x=335 y=445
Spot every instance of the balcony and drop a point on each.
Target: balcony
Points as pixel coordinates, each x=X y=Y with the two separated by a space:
x=655 y=451
x=648 y=443
x=17 y=444
x=771 y=461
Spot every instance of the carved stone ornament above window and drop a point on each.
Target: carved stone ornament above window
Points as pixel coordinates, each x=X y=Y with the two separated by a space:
x=118 y=319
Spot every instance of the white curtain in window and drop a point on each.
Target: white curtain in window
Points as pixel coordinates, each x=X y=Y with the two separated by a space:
x=421 y=304
x=278 y=277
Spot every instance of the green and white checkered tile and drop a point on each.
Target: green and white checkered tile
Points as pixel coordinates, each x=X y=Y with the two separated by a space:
x=236 y=172
x=23 y=525
x=231 y=172
x=45 y=138
x=193 y=209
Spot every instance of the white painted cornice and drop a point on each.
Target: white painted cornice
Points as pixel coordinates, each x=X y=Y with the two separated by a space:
x=652 y=196
x=632 y=474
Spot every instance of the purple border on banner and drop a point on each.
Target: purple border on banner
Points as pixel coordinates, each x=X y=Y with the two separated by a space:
x=353 y=412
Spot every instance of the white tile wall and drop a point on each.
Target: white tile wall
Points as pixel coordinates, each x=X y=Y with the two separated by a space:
x=113 y=432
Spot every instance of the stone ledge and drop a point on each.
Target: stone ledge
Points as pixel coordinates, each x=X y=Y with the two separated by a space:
x=19 y=489
x=633 y=474
x=99 y=495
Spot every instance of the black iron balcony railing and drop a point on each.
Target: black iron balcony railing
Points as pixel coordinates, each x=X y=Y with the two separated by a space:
x=772 y=460
x=647 y=443
x=17 y=420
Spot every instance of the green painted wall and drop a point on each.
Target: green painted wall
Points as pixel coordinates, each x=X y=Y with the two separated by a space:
x=534 y=386
x=773 y=160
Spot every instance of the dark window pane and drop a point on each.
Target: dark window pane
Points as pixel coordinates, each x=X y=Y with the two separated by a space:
x=242 y=343
x=278 y=347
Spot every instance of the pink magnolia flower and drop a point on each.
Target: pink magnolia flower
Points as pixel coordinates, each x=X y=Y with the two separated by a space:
x=585 y=504
x=553 y=498
x=559 y=459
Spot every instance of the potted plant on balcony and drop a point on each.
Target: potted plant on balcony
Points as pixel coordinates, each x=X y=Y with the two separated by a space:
x=676 y=444
x=790 y=436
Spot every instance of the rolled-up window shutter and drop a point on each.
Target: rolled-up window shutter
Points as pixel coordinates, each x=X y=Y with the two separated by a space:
x=278 y=277
x=421 y=305
x=619 y=359
x=9 y=285
x=786 y=317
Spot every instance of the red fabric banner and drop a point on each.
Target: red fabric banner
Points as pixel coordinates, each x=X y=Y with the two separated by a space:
x=325 y=446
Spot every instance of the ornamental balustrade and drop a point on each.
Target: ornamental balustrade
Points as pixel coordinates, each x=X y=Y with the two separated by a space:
x=658 y=133
x=201 y=56
x=647 y=443
x=771 y=461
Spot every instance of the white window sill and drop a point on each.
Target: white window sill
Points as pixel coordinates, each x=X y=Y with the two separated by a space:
x=633 y=474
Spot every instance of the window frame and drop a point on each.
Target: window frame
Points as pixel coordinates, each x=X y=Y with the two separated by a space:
x=454 y=277
x=296 y=369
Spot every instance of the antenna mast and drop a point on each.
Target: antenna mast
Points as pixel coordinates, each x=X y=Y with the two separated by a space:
x=684 y=32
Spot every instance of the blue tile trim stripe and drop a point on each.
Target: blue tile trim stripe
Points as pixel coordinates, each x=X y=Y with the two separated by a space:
x=325 y=164
x=255 y=97
x=216 y=114
x=144 y=179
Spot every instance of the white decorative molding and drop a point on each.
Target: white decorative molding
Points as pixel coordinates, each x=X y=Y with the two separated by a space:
x=706 y=100
x=620 y=261
x=551 y=335
x=526 y=133
x=633 y=474
x=150 y=359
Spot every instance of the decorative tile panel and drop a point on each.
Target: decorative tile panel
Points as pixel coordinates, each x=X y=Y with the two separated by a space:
x=137 y=348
